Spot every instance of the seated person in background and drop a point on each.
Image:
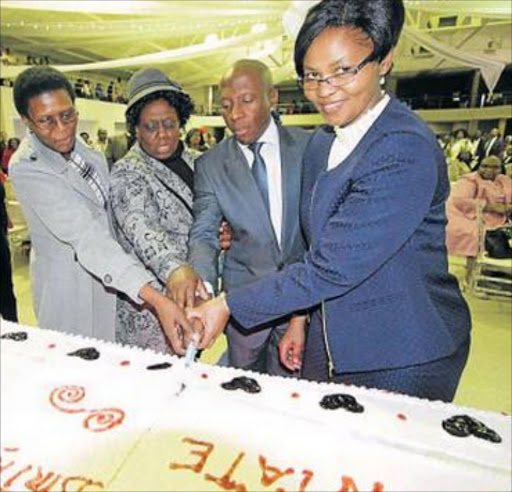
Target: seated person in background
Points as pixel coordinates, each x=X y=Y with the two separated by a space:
x=195 y=140
x=86 y=138
x=210 y=140
x=151 y=192
x=486 y=188
x=117 y=147
x=12 y=147
x=102 y=142
x=460 y=156
x=494 y=144
x=507 y=160
x=62 y=186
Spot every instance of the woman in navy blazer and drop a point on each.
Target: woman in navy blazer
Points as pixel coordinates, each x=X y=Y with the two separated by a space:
x=385 y=311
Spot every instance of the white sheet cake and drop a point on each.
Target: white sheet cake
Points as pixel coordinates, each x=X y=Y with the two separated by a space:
x=112 y=418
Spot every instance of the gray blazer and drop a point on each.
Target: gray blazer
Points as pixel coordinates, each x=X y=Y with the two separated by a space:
x=77 y=265
x=224 y=187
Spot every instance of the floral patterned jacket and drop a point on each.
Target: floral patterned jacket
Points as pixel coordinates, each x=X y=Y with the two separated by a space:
x=151 y=210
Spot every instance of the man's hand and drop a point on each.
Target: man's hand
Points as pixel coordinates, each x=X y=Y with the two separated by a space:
x=184 y=285
x=176 y=326
x=214 y=316
x=291 y=345
x=225 y=235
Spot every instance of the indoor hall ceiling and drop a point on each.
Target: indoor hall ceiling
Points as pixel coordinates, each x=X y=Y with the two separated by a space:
x=195 y=41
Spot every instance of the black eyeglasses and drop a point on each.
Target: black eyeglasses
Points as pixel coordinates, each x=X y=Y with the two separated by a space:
x=48 y=123
x=311 y=81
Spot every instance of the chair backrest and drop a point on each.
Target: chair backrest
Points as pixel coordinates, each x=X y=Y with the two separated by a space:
x=481 y=228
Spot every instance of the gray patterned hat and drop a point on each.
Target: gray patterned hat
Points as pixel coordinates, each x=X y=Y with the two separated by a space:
x=147 y=81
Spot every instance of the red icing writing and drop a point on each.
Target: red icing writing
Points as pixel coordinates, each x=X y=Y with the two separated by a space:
x=204 y=454
x=269 y=477
x=271 y=474
x=78 y=484
x=102 y=420
x=308 y=475
x=40 y=481
x=65 y=397
x=348 y=485
x=225 y=481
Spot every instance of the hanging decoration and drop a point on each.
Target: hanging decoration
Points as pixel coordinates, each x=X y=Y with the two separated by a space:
x=490 y=69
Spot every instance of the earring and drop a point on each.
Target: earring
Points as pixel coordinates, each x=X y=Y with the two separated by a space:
x=382 y=80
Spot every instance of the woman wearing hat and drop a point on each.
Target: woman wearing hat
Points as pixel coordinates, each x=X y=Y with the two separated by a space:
x=151 y=195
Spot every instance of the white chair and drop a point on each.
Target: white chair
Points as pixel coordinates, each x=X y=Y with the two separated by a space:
x=490 y=276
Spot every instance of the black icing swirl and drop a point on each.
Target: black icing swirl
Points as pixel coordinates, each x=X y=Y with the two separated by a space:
x=249 y=385
x=17 y=336
x=464 y=426
x=341 y=400
x=158 y=367
x=87 y=353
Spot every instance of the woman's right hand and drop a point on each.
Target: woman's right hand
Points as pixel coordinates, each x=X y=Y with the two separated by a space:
x=178 y=329
x=291 y=344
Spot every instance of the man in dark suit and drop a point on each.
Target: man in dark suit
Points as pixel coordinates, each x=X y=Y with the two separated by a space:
x=251 y=179
x=478 y=143
x=494 y=144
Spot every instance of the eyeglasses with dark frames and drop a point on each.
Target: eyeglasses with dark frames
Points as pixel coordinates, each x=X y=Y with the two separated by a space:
x=152 y=126
x=311 y=81
x=48 y=123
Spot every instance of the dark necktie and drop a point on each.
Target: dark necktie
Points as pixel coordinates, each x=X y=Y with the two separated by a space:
x=259 y=171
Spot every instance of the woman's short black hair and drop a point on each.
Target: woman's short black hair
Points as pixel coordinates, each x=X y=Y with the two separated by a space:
x=180 y=101
x=35 y=81
x=381 y=20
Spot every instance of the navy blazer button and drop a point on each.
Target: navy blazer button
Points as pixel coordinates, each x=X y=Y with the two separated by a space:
x=280 y=266
x=107 y=279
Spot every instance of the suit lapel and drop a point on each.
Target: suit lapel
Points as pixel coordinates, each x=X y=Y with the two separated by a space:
x=237 y=168
x=291 y=164
x=79 y=184
x=61 y=165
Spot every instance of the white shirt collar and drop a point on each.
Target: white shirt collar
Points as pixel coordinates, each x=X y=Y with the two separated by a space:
x=363 y=123
x=270 y=135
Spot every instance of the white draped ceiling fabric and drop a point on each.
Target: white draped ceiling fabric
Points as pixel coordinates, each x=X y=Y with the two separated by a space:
x=292 y=18
x=490 y=69
x=166 y=56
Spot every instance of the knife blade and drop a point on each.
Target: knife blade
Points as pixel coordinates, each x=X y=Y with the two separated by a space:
x=189 y=357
